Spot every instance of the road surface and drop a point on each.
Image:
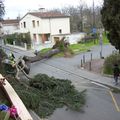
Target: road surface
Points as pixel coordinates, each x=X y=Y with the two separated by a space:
x=101 y=103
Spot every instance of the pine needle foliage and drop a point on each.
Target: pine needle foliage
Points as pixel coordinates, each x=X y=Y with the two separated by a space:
x=45 y=94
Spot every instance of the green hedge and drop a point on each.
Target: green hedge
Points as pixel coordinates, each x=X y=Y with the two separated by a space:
x=19 y=39
x=109 y=63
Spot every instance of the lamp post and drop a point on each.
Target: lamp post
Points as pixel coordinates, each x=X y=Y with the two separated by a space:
x=101 y=43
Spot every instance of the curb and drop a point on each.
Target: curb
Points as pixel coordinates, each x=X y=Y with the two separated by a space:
x=104 y=75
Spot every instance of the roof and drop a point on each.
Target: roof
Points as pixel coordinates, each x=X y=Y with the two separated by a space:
x=10 y=21
x=47 y=14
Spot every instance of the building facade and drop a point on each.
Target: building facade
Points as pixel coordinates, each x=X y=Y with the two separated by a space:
x=45 y=27
x=10 y=26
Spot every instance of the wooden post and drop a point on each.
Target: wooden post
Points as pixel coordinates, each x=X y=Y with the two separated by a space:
x=13 y=43
x=91 y=56
x=83 y=58
x=25 y=45
x=100 y=54
x=81 y=63
x=90 y=66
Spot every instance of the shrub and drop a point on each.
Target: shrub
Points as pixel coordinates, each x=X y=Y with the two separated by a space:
x=109 y=63
x=10 y=38
x=2 y=56
x=19 y=39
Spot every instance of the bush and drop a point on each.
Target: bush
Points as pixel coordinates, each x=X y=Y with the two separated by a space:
x=19 y=38
x=109 y=63
x=10 y=38
x=2 y=56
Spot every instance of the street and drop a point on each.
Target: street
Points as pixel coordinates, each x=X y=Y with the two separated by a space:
x=99 y=106
x=83 y=56
x=101 y=103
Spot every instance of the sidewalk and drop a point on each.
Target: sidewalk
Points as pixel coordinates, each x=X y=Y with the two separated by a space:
x=18 y=50
x=98 y=79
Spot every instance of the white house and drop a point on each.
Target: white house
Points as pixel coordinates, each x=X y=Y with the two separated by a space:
x=10 y=26
x=45 y=27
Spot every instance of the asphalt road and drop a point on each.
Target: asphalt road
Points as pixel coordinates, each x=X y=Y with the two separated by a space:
x=99 y=106
x=101 y=103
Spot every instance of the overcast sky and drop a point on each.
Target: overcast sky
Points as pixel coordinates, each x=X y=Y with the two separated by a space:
x=14 y=8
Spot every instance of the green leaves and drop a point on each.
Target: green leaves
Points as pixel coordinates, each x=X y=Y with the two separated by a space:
x=111 y=19
x=109 y=63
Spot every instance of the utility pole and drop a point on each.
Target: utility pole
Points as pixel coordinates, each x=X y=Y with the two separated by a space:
x=81 y=15
x=93 y=26
x=93 y=14
x=101 y=43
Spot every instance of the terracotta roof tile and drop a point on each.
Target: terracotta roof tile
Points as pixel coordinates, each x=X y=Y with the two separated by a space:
x=47 y=14
x=10 y=21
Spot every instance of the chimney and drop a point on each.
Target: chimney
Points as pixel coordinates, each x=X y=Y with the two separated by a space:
x=41 y=9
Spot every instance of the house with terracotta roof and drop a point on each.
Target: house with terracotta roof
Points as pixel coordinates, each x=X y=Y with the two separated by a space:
x=45 y=27
x=10 y=26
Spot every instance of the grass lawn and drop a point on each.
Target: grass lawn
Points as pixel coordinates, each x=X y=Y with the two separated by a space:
x=81 y=47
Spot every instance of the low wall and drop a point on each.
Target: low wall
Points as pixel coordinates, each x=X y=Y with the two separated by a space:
x=14 y=46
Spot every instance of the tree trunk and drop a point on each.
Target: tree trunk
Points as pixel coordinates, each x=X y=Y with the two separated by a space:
x=46 y=55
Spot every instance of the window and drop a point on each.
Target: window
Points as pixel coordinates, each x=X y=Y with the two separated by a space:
x=33 y=23
x=24 y=24
x=21 y=25
x=60 y=31
x=34 y=37
x=38 y=23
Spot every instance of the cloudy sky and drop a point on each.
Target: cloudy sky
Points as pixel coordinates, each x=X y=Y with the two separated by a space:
x=20 y=7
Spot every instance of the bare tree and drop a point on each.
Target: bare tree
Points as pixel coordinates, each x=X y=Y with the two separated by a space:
x=2 y=9
x=81 y=10
x=81 y=17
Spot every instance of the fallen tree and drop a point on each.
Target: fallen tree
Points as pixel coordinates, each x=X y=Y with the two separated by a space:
x=47 y=55
x=44 y=94
x=60 y=46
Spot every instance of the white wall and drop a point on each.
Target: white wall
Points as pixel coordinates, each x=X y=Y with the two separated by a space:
x=75 y=38
x=29 y=27
x=9 y=29
x=46 y=26
x=60 y=23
